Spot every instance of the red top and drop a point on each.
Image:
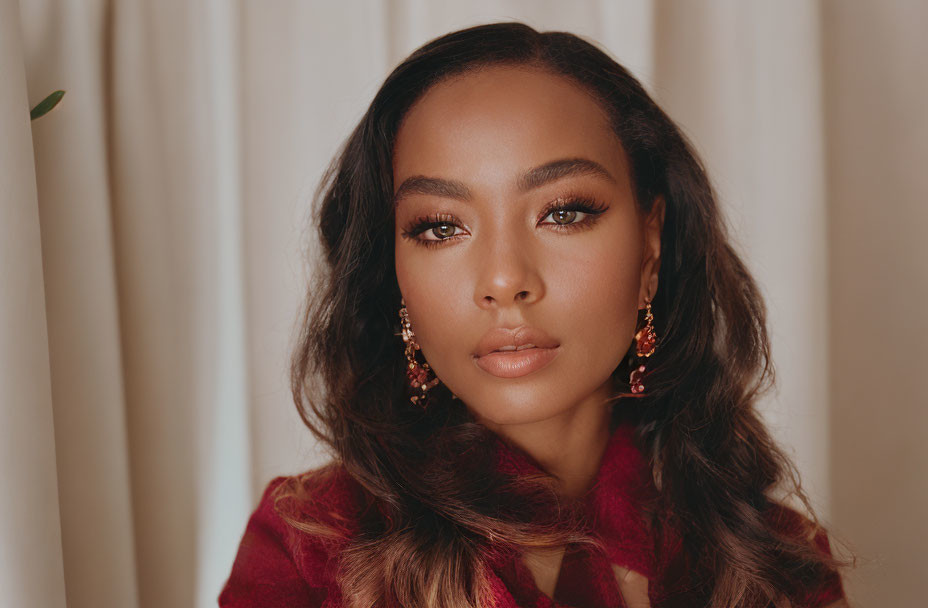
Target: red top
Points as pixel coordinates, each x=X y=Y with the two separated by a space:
x=277 y=565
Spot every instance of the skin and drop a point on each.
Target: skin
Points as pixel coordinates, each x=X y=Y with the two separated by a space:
x=503 y=263
x=506 y=266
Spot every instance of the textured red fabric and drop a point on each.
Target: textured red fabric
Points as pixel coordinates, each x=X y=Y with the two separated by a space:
x=277 y=565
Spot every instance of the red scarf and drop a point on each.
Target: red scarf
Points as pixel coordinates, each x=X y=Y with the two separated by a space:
x=277 y=565
x=622 y=485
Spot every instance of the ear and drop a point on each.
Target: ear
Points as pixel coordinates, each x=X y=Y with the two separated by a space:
x=652 y=225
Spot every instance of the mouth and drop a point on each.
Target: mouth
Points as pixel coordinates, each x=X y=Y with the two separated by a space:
x=515 y=362
x=509 y=349
x=513 y=352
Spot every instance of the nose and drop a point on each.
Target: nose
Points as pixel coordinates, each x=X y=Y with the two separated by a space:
x=508 y=274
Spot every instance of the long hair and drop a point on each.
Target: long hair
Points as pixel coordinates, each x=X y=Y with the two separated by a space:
x=439 y=507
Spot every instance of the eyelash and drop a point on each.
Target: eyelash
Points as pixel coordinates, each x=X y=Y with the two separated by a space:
x=589 y=206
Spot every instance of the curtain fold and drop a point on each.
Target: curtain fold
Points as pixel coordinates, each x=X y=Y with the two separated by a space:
x=65 y=48
x=31 y=563
x=153 y=238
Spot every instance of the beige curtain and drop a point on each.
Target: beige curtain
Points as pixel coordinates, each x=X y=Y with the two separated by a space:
x=152 y=247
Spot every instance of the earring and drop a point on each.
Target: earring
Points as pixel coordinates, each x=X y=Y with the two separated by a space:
x=417 y=374
x=645 y=341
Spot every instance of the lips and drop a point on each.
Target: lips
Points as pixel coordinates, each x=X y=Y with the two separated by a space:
x=511 y=353
x=504 y=339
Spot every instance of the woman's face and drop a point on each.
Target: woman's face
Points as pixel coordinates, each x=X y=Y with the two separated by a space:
x=477 y=164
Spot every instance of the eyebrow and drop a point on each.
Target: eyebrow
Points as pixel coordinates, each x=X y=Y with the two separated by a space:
x=531 y=179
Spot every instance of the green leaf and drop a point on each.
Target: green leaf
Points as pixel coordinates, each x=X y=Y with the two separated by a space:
x=46 y=105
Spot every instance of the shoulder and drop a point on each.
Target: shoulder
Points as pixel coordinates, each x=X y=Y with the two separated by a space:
x=288 y=552
x=325 y=502
x=789 y=521
x=828 y=590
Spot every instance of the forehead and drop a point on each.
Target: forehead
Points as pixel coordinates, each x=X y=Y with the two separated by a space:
x=487 y=124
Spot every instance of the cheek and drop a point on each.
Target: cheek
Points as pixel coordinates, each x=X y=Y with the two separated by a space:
x=598 y=294
x=435 y=290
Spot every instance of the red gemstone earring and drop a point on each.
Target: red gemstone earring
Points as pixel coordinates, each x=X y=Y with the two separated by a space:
x=417 y=374
x=645 y=341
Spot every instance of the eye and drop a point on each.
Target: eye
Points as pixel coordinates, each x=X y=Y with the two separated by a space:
x=440 y=227
x=564 y=216
x=437 y=229
x=564 y=212
x=442 y=231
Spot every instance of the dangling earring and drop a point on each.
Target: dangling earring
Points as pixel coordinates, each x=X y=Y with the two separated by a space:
x=417 y=374
x=645 y=341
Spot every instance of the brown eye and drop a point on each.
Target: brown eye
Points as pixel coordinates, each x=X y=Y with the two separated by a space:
x=443 y=230
x=564 y=212
x=433 y=230
x=564 y=216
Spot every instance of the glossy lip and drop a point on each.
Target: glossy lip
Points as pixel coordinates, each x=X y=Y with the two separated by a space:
x=513 y=364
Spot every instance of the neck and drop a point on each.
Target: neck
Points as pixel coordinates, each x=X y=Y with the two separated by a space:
x=568 y=446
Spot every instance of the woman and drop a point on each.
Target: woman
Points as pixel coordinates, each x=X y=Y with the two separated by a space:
x=534 y=358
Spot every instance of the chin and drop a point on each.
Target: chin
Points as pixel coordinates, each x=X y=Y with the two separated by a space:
x=510 y=413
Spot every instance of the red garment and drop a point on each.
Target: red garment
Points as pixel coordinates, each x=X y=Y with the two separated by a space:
x=277 y=565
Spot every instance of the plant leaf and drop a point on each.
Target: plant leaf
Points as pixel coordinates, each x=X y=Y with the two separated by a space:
x=46 y=105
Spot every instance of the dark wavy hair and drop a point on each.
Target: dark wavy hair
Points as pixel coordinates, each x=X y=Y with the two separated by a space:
x=439 y=505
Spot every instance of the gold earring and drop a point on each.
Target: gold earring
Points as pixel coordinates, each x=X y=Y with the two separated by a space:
x=417 y=374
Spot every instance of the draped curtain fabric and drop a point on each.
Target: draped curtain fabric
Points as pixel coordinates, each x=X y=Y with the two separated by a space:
x=153 y=239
